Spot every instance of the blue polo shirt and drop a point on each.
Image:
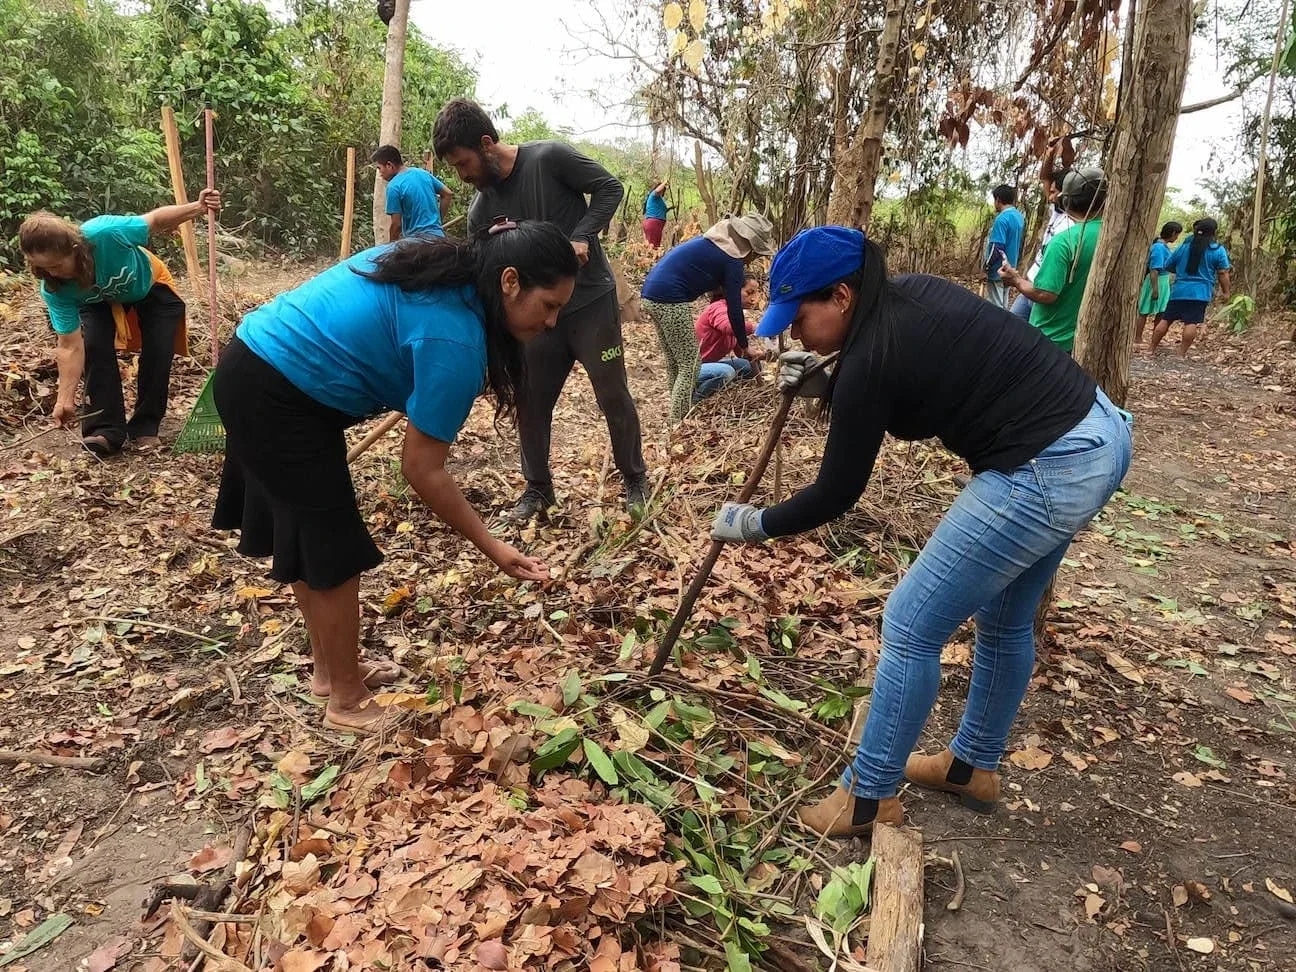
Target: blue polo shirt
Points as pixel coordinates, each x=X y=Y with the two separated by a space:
x=1199 y=285
x=123 y=273
x=655 y=206
x=412 y=192
x=363 y=347
x=1006 y=232
x=1159 y=257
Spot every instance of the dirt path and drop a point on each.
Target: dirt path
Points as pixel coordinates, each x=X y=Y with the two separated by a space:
x=1153 y=760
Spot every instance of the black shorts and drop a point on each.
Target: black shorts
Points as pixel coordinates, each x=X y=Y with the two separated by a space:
x=1185 y=311
x=286 y=484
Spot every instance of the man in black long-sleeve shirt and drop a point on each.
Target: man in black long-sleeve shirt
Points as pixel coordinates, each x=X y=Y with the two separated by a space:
x=549 y=181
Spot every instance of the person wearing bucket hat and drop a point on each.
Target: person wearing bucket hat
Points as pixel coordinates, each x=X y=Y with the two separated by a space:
x=715 y=260
x=921 y=357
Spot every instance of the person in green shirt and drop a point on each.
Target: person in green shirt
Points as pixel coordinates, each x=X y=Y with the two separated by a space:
x=94 y=277
x=1059 y=285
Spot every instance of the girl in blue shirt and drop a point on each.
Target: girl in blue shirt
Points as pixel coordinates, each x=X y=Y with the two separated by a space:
x=655 y=212
x=422 y=326
x=1197 y=265
x=1155 y=293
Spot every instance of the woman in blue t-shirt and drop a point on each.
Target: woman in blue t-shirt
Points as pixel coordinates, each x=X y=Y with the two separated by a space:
x=1155 y=293
x=655 y=212
x=423 y=326
x=1196 y=265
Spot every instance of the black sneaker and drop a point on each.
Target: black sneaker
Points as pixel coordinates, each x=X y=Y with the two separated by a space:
x=534 y=502
x=636 y=494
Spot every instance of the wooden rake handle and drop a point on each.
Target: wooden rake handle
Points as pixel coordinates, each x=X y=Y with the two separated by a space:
x=748 y=491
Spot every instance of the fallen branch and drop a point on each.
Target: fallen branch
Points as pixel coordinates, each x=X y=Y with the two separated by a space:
x=200 y=944
x=92 y=764
x=896 y=932
x=960 y=887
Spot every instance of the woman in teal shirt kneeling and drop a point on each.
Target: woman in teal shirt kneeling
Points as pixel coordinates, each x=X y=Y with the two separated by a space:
x=422 y=326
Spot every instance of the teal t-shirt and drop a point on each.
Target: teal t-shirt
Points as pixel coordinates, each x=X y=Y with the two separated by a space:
x=413 y=193
x=123 y=274
x=362 y=347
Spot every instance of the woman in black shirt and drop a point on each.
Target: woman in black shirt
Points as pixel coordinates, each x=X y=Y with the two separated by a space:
x=922 y=357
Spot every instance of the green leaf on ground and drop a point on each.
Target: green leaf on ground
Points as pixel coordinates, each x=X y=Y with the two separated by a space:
x=601 y=762
x=40 y=936
x=317 y=787
x=1206 y=755
x=556 y=750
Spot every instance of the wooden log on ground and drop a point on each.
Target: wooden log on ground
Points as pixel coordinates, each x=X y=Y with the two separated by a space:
x=92 y=763
x=896 y=927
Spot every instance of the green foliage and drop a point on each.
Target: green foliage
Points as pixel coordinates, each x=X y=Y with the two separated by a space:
x=1238 y=313
x=81 y=86
x=846 y=897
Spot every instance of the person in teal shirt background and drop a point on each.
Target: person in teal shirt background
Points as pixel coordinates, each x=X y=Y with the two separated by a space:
x=1004 y=244
x=1155 y=293
x=655 y=213
x=416 y=199
x=1197 y=264
x=84 y=272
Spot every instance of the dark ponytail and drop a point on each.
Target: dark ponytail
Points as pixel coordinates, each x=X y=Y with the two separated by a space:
x=539 y=252
x=1204 y=231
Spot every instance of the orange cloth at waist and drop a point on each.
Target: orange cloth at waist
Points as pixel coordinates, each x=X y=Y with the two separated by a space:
x=127 y=320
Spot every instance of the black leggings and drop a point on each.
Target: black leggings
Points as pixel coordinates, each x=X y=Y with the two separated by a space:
x=592 y=336
x=160 y=314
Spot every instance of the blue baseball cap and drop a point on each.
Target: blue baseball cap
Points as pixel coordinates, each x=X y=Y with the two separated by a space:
x=812 y=260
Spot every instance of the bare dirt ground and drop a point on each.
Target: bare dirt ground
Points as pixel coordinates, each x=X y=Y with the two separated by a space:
x=1150 y=811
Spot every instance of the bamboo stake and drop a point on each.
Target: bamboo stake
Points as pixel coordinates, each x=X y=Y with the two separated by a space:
x=348 y=208
x=376 y=433
x=211 y=238
x=748 y=491
x=172 y=136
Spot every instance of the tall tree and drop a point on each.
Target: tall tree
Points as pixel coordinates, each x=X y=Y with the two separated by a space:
x=390 y=123
x=855 y=181
x=1152 y=85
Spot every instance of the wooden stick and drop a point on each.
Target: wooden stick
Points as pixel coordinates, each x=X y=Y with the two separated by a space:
x=199 y=943
x=211 y=238
x=348 y=207
x=172 y=136
x=212 y=896
x=896 y=929
x=92 y=763
x=376 y=433
x=748 y=490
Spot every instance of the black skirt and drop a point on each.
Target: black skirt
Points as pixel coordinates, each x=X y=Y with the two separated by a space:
x=285 y=483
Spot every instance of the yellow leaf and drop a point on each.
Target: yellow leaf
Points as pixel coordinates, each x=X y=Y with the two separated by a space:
x=1124 y=667
x=693 y=55
x=919 y=51
x=1187 y=779
x=401 y=700
x=672 y=15
x=396 y=598
x=921 y=22
x=697 y=14
x=250 y=592
x=678 y=43
x=1278 y=891
x=1203 y=946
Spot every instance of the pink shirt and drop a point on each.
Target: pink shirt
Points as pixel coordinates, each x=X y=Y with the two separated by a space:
x=715 y=334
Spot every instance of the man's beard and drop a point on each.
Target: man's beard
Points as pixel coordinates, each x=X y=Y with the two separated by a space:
x=490 y=172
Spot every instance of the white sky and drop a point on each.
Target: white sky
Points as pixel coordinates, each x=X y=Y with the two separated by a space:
x=523 y=54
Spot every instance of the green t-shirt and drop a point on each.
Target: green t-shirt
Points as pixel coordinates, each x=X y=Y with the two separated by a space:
x=1058 y=275
x=123 y=274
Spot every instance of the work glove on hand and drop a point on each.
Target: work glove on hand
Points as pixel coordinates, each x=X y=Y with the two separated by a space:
x=792 y=366
x=738 y=523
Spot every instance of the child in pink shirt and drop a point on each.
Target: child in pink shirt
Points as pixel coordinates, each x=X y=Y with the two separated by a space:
x=722 y=361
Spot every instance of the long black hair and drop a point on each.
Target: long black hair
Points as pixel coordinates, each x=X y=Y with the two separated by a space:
x=539 y=252
x=1204 y=231
x=875 y=298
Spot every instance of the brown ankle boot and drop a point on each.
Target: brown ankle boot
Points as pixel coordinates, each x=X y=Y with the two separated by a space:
x=979 y=793
x=833 y=815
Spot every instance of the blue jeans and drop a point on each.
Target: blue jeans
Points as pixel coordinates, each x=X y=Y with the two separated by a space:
x=715 y=375
x=991 y=558
x=1022 y=307
x=997 y=293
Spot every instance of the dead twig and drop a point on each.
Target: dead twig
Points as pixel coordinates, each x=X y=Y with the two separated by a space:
x=92 y=764
x=960 y=886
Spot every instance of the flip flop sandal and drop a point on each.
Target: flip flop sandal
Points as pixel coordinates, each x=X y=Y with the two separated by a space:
x=368 y=730
x=100 y=446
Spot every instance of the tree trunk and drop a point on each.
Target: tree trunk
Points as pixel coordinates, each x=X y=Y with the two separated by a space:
x=1257 y=210
x=854 y=187
x=1136 y=182
x=705 y=188
x=390 y=124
